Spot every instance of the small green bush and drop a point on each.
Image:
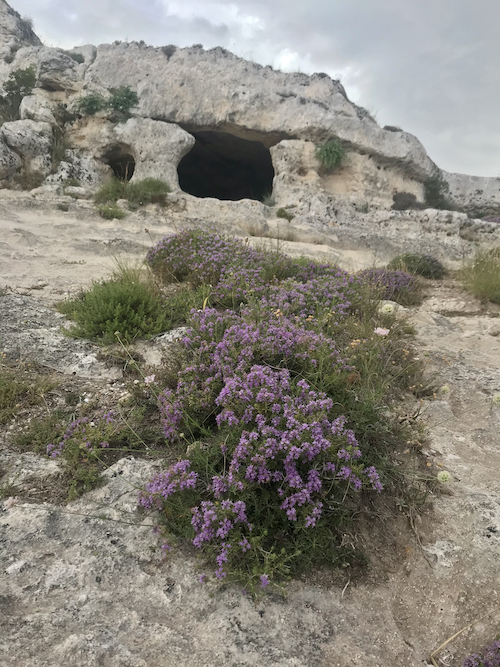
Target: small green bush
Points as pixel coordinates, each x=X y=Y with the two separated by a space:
x=482 y=275
x=404 y=201
x=111 y=191
x=435 y=193
x=19 y=84
x=283 y=213
x=90 y=104
x=418 y=265
x=122 y=100
x=128 y=304
x=147 y=191
x=330 y=154
x=111 y=211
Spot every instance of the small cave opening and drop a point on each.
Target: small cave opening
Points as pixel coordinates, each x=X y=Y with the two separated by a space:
x=121 y=161
x=224 y=166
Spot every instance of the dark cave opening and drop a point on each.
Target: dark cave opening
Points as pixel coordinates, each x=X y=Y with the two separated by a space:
x=224 y=166
x=121 y=161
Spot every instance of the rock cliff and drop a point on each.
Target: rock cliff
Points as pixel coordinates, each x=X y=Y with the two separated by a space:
x=213 y=125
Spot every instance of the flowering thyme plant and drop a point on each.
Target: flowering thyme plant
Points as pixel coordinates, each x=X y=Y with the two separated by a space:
x=490 y=657
x=280 y=400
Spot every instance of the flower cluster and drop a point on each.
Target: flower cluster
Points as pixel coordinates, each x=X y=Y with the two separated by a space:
x=209 y=259
x=392 y=284
x=178 y=477
x=225 y=345
x=490 y=657
x=268 y=390
x=88 y=434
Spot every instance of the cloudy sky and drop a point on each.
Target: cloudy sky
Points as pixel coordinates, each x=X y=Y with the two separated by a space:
x=431 y=67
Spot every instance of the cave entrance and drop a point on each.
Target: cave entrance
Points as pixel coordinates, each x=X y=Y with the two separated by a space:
x=224 y=166
x=121 y=161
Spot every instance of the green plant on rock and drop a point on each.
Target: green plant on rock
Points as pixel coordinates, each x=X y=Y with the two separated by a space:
x=130 y=305
x=330 y=154
x=404 y=201
x=147 y=191
x=19 y=84
x=481 y=275
x=90 y=104
x=283 y=213
x=111 y=212
x=122 y=100
x=18 y=389
x=436 y=190
x=418 y=265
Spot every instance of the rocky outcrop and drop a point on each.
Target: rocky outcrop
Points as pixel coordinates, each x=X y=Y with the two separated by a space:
x=215 y=89
x=56 y=70
x=37 y=108
x=475 y=194
x=223 y=115
x=157 y=148
x=15 y=32
x=32 y=141
x=10 y=162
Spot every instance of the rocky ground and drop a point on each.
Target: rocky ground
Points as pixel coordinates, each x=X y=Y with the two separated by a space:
x=83 y=583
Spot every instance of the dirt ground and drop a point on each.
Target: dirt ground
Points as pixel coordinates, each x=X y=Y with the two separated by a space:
x=82 y=584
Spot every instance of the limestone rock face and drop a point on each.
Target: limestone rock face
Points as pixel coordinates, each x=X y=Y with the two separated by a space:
x=475 y=194
x=85 y=169
x=216 y=89
x=37 y=108
x=56 y=70
x=10 y=162
x=157 y=147
x=32 y=141
x=236 y=111
x=15 y=32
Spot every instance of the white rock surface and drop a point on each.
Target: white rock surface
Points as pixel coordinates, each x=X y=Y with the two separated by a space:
x=32 y=141
x=156 y=146
x=37 y=108
x=14 y=32
x=10 y=162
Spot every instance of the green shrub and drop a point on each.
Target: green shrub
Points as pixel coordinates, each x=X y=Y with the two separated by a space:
x=149 y=190
x=283 y=213
x=28 y=179
x=111 y=191
x=482 y=275
x=90 y=104
x=111 y=211
x=71 y=183
x=122 y=100
x=330 y=154
x=403 y=201
x=435 y=193
x=128 y=304
x=309 y=347
x=19 y=84
x=418 y=265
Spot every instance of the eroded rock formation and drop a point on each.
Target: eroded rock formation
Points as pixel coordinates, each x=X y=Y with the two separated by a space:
x=213 y=126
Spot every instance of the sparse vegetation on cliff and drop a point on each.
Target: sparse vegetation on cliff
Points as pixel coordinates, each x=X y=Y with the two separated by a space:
x=19 y=84
x=330 y=154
